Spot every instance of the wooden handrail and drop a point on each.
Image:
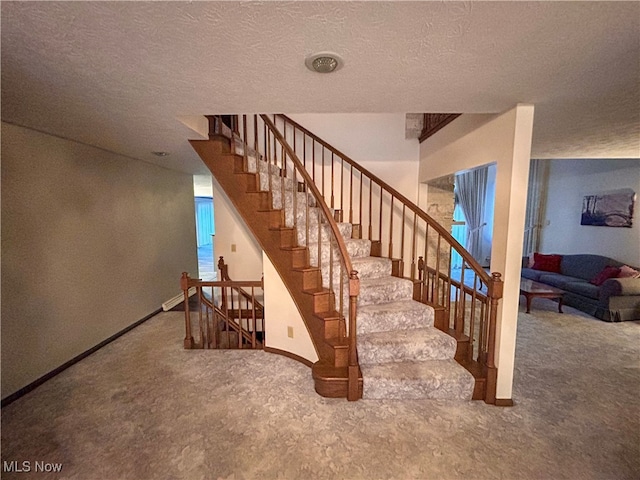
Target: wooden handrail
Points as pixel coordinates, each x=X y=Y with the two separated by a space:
x=472 y=262
x=345 y=260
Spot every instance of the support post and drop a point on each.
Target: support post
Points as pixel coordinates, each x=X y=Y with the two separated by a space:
x=184 y=285
x=495 y=294
x=353 y=392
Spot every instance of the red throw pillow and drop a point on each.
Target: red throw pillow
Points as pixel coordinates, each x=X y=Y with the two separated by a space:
x=547 y=263
x=606 y=273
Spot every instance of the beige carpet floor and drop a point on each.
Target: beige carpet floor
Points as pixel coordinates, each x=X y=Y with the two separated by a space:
x=144 y=408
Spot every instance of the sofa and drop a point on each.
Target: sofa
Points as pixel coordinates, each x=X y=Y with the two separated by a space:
x=595 y=284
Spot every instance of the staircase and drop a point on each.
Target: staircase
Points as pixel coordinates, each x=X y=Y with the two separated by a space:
x=379 y=333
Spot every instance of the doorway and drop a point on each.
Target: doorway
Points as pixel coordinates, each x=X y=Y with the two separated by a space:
x=205 y=226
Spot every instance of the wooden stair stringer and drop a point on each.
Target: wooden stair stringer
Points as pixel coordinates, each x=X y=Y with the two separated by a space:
x=240 y=188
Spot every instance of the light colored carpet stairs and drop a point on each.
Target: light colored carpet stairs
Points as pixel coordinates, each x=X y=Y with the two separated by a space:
x=401 y=354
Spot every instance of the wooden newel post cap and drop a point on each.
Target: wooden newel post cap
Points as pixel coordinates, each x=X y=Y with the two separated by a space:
x=354 y=284
x=496 y=285
x=184 y=281
x=420 y=263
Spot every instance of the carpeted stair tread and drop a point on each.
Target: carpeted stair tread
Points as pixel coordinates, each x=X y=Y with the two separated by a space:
x=384 y=290
x=435 y=379
x=355 y=248
x=399 y=315
x=372 y=267
x=344 y=228
x=420 y=344
x=367 y=267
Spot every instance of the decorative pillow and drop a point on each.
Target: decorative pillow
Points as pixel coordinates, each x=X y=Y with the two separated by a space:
x=547 y=263
x=606 y=273
x=627 y=272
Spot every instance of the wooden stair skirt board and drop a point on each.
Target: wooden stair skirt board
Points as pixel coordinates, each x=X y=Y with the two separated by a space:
x=398 y=346
x=266 y=224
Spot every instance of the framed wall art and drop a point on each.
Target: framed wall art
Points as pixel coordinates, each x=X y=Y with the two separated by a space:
x=609 y=209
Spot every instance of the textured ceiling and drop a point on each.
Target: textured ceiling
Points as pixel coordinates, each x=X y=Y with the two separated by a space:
x=119 y=74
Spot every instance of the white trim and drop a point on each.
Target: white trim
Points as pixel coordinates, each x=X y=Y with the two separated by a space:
x=172 y=302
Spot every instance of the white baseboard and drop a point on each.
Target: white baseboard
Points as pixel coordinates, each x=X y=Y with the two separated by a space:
x=172 y=302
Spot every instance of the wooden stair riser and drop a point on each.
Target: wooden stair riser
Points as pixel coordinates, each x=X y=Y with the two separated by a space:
x=440 y=318
x=333 y=324
x=332 y=382
x=417 y=290
x=397 y=267
x=263 y=200
x=221 y=145
x=288 y=237
x=341 y=354
x=311 y=279
x=299 y=258
x=239 y=165
x=276 y=219
x=322 y=300
x=463 y=346
x=253 y=186
x=376 y=248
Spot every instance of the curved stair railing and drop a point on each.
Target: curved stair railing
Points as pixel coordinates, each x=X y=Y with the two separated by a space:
x=302 y=212
x=466 y=301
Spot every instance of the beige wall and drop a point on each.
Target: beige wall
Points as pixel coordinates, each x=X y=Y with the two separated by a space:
x=282 y=313
x=375 y=141
x=233 y=239
x=248 y=262
x=471 y=141
x=91 y=243
x=569 y=182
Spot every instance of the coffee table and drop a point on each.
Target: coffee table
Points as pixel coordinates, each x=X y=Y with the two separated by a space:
x=532 y=289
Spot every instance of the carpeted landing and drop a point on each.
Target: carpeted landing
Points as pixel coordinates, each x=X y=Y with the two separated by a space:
x=144 y=408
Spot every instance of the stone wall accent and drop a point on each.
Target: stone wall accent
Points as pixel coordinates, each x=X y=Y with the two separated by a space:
x=440 y=206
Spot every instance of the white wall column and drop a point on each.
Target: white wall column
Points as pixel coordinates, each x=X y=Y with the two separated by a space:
x=506 y=251
x=505 y=139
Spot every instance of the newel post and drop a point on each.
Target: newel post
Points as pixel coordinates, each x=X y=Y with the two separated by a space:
x=184 y=285
x=222 y=267
x=495 y=294
x=353 y=392
x=420 y=267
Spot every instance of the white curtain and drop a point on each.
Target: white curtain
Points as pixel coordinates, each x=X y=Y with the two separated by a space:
x=536 y=196
x=471 y=188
